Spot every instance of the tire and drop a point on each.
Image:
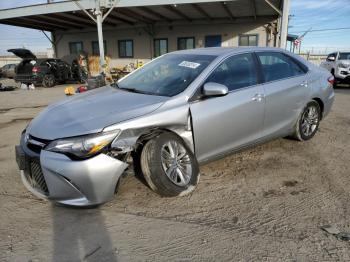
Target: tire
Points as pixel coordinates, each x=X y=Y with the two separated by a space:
x=157 y=157
x=49 y=80
x=308 y=122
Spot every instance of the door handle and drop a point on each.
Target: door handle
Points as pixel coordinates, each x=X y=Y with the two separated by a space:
x=304 y=84
x=258 y=97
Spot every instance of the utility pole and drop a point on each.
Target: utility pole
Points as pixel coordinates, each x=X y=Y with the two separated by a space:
x=99 y=20
x=284 y=24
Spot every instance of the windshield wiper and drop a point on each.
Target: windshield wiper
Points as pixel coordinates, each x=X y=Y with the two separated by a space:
x=115 y=84
x=134 y=90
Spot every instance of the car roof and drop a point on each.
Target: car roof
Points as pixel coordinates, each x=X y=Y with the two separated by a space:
x=222 y=51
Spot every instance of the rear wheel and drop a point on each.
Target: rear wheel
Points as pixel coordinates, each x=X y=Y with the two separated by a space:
x=308 y=122
x=168 y=166
x=49 y=80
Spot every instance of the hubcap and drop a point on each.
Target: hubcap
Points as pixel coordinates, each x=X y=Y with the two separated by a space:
x=309 y=121
x=176 y=163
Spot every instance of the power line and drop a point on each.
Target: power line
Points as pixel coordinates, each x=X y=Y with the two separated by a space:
x=323 y=30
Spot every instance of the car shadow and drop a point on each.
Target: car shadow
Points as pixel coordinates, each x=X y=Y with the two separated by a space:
x=80 y=234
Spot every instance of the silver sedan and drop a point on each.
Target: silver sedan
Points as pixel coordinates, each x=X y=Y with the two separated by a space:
x=178 y=111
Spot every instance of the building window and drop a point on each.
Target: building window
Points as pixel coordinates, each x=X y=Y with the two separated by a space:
x=248 y=40
x=75 y=47
x=160 y=47
x=96 y=49
x=126 y=48
x=185 y=43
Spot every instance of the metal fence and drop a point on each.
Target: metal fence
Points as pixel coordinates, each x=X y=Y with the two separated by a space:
x=4 y=60
x=314 y=58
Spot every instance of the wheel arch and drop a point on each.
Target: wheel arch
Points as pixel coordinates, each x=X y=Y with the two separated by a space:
x=152 y=133
x=320 y=103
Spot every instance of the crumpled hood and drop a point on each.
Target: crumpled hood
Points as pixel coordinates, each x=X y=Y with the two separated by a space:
x=90 y=112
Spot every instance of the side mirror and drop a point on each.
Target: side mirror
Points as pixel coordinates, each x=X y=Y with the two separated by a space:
x=214 y=89
x=331 y=58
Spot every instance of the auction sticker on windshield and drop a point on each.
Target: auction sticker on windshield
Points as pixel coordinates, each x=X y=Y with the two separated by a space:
x=188 y=64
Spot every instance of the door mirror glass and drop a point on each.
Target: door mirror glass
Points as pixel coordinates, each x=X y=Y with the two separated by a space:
x=331 y=58
x=214 y=89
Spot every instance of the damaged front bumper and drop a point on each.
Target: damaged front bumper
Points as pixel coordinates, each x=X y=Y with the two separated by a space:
x=58 y=178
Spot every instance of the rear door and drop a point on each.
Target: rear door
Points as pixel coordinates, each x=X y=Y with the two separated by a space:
x=221 y=124
x=286 y=90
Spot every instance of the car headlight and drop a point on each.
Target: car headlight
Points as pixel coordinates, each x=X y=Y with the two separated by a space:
x=343 y=65
x=83 y=146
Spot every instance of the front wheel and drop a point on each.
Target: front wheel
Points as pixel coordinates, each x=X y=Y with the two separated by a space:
x=308 y=122
x=168 y=166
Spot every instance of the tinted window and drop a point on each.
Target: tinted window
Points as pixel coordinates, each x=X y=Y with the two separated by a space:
x=160 y=47
x=277 y=66
x=235 y=72
x=185 y=43
x=166 y=76
x=344 y=56
x=75 y=47
x=126 y=48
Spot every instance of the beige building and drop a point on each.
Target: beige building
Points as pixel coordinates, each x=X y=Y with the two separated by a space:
x=143 y=29
x=140 y=45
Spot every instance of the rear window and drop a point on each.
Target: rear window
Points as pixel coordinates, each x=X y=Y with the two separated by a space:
x=278 y=66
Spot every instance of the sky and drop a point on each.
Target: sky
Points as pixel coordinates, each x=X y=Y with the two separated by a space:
x=305 y=14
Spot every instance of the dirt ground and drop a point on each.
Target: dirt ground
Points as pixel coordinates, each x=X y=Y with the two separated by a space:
x=264 y=204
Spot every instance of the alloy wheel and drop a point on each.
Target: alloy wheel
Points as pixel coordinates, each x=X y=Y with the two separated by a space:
x=309 y=120
x=176 y=163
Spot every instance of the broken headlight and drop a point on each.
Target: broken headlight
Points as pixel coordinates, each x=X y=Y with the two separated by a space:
x=83 y=146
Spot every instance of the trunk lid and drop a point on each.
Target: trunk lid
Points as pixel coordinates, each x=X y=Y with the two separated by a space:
x=22 y=53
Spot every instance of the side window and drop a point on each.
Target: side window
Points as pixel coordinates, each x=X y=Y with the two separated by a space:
x=235 y=72
x=331 y=57
x=277 y=66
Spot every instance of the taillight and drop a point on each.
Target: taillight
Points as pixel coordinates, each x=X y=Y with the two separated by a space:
x=35 y=69
x=331 y=80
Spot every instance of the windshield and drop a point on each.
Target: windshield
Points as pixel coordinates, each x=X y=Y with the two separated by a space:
x=344 y=56
x=168 y=75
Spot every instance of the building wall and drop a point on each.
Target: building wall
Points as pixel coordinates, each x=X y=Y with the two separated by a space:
x=143 y=42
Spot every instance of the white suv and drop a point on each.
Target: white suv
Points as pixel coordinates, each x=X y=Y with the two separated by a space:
x=338 y=64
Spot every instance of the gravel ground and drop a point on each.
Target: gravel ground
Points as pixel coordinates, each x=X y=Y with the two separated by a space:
x=264 y=204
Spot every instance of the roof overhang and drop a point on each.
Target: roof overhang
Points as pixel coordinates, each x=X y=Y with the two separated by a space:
x=61 y=16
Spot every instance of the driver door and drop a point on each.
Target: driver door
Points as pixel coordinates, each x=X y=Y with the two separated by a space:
x=225 y=123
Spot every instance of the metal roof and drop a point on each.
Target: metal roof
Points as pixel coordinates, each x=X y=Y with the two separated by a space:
x=67 y=15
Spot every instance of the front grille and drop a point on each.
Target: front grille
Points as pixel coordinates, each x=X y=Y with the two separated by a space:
x=35 y=176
